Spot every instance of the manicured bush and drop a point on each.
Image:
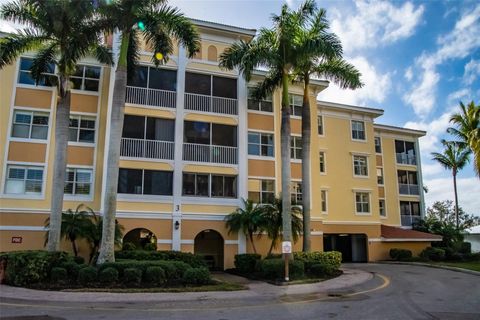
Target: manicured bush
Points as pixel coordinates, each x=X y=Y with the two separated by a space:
x=434 y=254
x=197 y=276
x=322 y=270
x=333 y=258
x=79 y=260
x=132 y=276
x=72 y=269
x=128 y=246
x=108 y=276
x=400 y=254
x=465 y=247
x=87 y=276
x=154 y=276
x=245 y=263
x=58 y=275
x=150 y=247
x=274 y=256
x=27 y=268
x=191 y=259
x=275 y=269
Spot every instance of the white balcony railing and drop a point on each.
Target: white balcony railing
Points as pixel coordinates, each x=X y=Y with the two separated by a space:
x=209 y=153
x=204 y=103
x=151 y=97
x=411 y=189
x=148 y=149
x=409 y=220
x=404 y=158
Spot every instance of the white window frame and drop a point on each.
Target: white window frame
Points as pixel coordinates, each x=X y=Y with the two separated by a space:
x=384 y=216
x=379 y=139
x=320 y=124
x=32 y=114
x=24 y=180
x=383 y=176
x=47 y=74
x=209 y=185
x=260 y=144
x=268 y=98
x=294 y=187
x=74 y=194
x=83 y=78
x=293 y=107
x=81 y=117
x=352 y=130
x=324 y=200
x=295 y=147
x=369 y=203
x=366 y=165
x=322 y=155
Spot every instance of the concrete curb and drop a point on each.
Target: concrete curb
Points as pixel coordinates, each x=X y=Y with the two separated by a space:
x=467 y=271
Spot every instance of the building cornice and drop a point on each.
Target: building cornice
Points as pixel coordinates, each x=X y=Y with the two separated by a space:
x=364 y=110
x=384 y=127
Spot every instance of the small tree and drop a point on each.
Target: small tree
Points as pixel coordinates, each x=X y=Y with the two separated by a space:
x=444 y=211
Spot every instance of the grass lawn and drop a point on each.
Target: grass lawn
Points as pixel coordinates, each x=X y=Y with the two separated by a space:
x=472 y=265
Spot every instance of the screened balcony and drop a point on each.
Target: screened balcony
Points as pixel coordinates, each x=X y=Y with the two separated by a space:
x=153 y=87
x=408 y=182
x=207 y=93
x=409 y=213
x=405 y=152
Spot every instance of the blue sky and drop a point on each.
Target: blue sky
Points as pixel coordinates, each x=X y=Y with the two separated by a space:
x=418 y=60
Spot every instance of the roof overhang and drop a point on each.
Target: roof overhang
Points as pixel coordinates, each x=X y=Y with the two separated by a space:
x=320 y=84
x=397 y=234
x=393 y=129
x=224 y=27
x=345 y=107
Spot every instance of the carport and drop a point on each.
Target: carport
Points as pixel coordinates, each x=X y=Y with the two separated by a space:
x=352 y=246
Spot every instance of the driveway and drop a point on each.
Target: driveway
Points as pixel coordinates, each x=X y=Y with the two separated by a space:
x=391 y=292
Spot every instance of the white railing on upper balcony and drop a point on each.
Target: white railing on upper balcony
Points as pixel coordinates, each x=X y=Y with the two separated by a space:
x=151 y=97
x=404 y=158
x=204 y=103
x=411 y=189
x=148 y=149
x=210 y=153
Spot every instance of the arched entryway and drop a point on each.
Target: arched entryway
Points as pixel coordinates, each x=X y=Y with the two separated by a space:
x=140 y=237
x=209 y=244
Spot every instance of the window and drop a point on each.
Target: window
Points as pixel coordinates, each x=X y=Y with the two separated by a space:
x=154 y=78
x=25 y=77
x=209 y=85
x=210 y=133
x=320 y=125
x=362 y=202
x=360 y=166
x=358 y=130
x=198 y=184
x=295 y=102
x=410 y=208
x=260 y=144
x=296 y=193
x=405 y=151
x=323 y=198
x=30 y=125
x=261 y=191
x=380 y=176
x=78 y=181
x=408 y=182
x=24 y=180
x=378 y=145
x=322 y=162
x=138 y=127
x=296 y=147
x=381 y=207
x=265 y=104
x=86 y=78
x=82 y=129
x=147 y=182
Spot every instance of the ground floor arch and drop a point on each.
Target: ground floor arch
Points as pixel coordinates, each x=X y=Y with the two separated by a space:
x=140 y=237
x=210 y=244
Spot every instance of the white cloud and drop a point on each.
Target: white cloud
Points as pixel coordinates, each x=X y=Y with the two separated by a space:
x=422 y=97
x=459 y=95
x=375 y=23
x=472 y=72
x=408 y=74
x=376 y=88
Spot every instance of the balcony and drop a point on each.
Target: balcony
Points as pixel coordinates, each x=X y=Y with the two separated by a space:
x=147 y=149
x=210 y=153
x=404 y=158
x=204 y=103
x=409 y=220
x=408 y=189
x=151 y=97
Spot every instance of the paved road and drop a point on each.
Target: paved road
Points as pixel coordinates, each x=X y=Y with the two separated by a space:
x=396 y=292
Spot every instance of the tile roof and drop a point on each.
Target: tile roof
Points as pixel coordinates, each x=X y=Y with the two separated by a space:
x=389 y=232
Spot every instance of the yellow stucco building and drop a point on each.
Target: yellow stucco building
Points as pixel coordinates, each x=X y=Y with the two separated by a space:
x=193 y=145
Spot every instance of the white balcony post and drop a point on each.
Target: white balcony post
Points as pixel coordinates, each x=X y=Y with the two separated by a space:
x=242 y=157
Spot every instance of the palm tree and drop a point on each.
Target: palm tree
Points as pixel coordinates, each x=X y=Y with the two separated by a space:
x=468 y=130
x=273 y=215
x=61 y=32
x=158 y=24
x=94 y=236
x=320 y=56
x=276 y=49
x=249 y=220
x=454 y=157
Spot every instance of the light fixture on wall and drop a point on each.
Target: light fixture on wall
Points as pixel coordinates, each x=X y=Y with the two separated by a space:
x=177 y=225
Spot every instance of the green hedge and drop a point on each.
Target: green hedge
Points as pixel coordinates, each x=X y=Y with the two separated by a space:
x=332 y=258
x=59 y=275
x=400 y=254
x=275 y=269
x=191 y=259
x=197 y=276
x=245 y=263
x=322 y=270
x=108 y=276
x=434 y=254
x=87 y=276
x=155 y=276
x=132 y=276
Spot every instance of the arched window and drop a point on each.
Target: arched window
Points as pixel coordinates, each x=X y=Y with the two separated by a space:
x=212 y=53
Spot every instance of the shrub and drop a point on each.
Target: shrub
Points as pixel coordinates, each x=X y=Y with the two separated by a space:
x=58 y=275
x=321 y=270
x=400 y=254
x=79 y=260
x=128 y=246
x=26 y=268
x=333 y=258
x=150 y=247
x=132 y=276
x=197 y=276
x=434 y=254
x=245 y=263
x=191 y=259
x=275 y=269
x=87 y=276
x=465 y=247
x=108 y=276
x=274 y=256
x=72 y=269
x=155 y=276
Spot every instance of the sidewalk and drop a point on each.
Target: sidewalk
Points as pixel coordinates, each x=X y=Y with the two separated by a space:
x=257 y=289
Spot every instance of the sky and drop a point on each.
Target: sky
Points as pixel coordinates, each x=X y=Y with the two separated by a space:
x=418 y=59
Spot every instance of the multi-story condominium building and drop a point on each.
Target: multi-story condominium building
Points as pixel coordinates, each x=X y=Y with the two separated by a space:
x=193 y=145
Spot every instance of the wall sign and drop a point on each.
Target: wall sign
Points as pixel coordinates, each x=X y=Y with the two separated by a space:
x=16 y=239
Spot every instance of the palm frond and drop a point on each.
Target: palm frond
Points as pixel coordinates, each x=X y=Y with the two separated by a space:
x=41 y=62
x=25 y=40
x=339 y=71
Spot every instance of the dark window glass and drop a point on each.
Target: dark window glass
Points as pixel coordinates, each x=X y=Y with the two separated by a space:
x=133 y=127
x=197 y=83
x=230 y=187
x=217 y=186
x=224 y=135
x=158 y=182
x=415 y=208
x=130 y=181
x=197 y=132
x=202 y=185
x=404 y=208
x=410 y=147
x=140 y=78
x=160 y=129
x=189 y=184
x=399 y=146
x=224 y=87
x=402 y=177
x=163 y=79
x=412 y=177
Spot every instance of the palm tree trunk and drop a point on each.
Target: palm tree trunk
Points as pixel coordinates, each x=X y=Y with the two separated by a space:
x=250 y=235
x=107 y=244
x=62 y=120
x=306 y=196
x=286 y=159
x=456 y=197
x=272 y=245
x=74 y=247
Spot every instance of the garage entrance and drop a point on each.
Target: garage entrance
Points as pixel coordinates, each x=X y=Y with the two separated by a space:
x=209 y=244
x=352 y=246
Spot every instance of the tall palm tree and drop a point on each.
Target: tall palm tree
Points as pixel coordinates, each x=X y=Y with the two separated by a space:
x=158 y=24
x=94 y=236
x=454 y=157
x=249 y=220
x=276 y=49
x=467 y=129
x=61 y=32
x=320 y=56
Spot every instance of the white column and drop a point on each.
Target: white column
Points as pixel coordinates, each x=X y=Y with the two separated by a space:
x=242 y=152
x=420 y=178
x=178 y=161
